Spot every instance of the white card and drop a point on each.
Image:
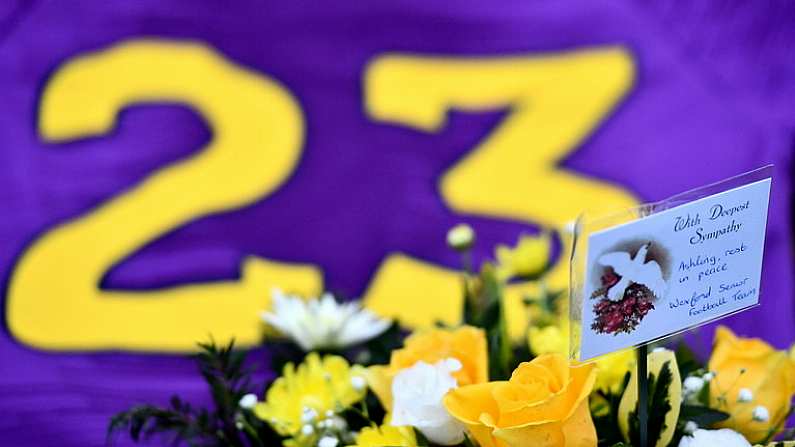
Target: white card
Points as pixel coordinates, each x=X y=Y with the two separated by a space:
x=673 y=270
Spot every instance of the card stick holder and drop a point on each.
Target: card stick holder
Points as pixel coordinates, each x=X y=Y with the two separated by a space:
x=588 y=224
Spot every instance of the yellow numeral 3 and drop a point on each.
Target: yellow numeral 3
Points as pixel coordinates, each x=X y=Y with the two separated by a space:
x=556 y=101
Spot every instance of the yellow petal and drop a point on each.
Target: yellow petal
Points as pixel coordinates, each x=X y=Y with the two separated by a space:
x=577 y=431
x=558 y=406
x=750 y=363
x=467 y=403
x=534 y=435
x=548 y=339
x=612 y=369
x=380 y=382
x=474 y=406
x=466 y=344
x=386 y=435
x=545 y=403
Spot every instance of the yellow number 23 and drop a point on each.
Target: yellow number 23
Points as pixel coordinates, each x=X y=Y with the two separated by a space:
x=54 y=300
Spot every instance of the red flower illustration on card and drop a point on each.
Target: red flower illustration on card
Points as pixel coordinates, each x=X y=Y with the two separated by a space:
x=629 y=287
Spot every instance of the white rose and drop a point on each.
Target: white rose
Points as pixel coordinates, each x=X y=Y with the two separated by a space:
x=417 y=400
x=711 y=438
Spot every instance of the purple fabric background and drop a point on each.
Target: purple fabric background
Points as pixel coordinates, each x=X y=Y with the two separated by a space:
x=713 y=98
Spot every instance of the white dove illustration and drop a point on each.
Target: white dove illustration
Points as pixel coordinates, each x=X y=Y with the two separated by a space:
x=633 y=270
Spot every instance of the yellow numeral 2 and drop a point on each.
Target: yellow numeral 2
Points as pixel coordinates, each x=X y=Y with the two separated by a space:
x=54 y=301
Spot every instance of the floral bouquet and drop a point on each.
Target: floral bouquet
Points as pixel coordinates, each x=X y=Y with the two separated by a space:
x=351 y=378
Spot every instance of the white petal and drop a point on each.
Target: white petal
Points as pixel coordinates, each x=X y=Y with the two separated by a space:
x=417 y=400
x=450 y=433
x=711 y=438
x=328 y=441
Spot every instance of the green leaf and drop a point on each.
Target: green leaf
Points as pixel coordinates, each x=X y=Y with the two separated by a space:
x=606 y=423
x=422 y=441
x=521 y=353
x=659 y=404
x=495 y=325
x=224 y=370
x=703 y=416
x=703 y=395
x=143 y=421
x=658 y=407
x=483 y=308
x=687 y=360
x=379 y=349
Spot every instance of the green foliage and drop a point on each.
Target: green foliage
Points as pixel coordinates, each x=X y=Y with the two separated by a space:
x=658 y=407
x=223 y=370
x=521 y=353
x=703 y=416
x=604 y=408
x=179 y=419
x=546 y=306
x=483 y=307
x=283 y=352
x=422 y=441
x=687 y=360
x=703 y=395
x=225 y=425
x=698 y=410
x=379 y=349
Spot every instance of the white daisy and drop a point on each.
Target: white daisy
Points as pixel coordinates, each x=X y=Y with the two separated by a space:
x=322 y=322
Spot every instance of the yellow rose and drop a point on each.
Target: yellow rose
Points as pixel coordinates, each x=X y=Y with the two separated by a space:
x=466 y=344
x=555 y=338
x=544 y=404
x=752 y=364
